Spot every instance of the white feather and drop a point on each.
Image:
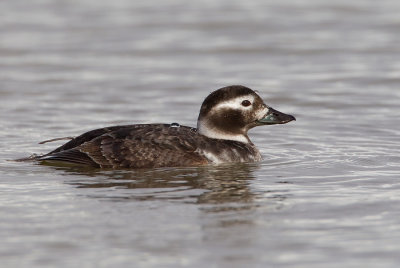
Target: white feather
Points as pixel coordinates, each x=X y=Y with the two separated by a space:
x=215 y=134
x=235 y=103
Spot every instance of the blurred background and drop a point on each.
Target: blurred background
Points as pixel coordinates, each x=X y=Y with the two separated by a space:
x=327 y=193
x=76 y=55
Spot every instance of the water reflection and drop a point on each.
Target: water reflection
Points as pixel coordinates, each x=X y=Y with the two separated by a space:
x=202 y=185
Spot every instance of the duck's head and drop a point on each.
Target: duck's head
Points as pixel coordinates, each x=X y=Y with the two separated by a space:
x=229 y=112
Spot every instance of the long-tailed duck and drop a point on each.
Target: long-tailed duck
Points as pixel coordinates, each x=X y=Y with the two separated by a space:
x=221 y=136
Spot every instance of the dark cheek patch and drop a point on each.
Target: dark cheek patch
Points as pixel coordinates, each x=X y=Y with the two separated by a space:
x=230 y=121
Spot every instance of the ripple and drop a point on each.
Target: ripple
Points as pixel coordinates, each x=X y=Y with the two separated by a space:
x=326 y=191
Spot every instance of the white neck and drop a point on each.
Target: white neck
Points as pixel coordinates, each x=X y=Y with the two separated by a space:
x=213 y=133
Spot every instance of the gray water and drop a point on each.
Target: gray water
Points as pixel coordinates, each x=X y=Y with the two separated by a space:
x=327 y=193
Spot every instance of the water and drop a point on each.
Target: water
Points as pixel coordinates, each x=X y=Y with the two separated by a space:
x=326 y=195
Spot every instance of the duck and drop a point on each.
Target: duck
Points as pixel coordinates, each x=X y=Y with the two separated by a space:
x=226 y=115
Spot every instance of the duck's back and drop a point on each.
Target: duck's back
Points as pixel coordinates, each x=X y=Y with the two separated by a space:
x=149 y=145
x=133 y=146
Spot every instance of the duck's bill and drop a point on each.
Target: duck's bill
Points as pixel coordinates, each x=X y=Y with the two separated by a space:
x=275 y=117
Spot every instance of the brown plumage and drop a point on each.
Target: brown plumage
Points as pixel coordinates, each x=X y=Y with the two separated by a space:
x=147 y=145
x=225 y=117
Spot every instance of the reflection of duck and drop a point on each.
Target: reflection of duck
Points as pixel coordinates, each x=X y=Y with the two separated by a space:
x=221 y=136
x=225 y=187
x=227 y=183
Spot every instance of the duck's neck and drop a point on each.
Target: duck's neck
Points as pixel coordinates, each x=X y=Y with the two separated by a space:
x=206 y=129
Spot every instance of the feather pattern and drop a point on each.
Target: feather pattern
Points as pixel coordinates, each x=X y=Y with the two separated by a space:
x=225 y=117
x=150 y=145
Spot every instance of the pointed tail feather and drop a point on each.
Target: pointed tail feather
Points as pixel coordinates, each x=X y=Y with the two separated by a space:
x=70 y=156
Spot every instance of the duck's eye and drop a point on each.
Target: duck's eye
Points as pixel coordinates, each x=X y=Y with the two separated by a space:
x=246 y=103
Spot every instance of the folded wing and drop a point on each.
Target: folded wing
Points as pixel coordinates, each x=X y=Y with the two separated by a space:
x=135 y=146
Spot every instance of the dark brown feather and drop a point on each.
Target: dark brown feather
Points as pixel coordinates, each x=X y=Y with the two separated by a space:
x=74 y=156
x=88 y=136
x=134 y=146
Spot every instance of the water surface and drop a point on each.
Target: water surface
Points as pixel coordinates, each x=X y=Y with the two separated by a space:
x=326 y=194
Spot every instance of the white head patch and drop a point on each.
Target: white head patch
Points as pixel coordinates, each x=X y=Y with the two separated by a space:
x=211 y=131
x=262 y=113
x=235 y=103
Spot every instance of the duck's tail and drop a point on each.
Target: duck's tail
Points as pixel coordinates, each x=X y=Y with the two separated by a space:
x=56 y=139
x=36 y=157
x=32 y=157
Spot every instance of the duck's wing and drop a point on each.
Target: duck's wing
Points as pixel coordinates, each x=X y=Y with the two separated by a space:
x=77 y=141
x=90 y=135
x=136 y=147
